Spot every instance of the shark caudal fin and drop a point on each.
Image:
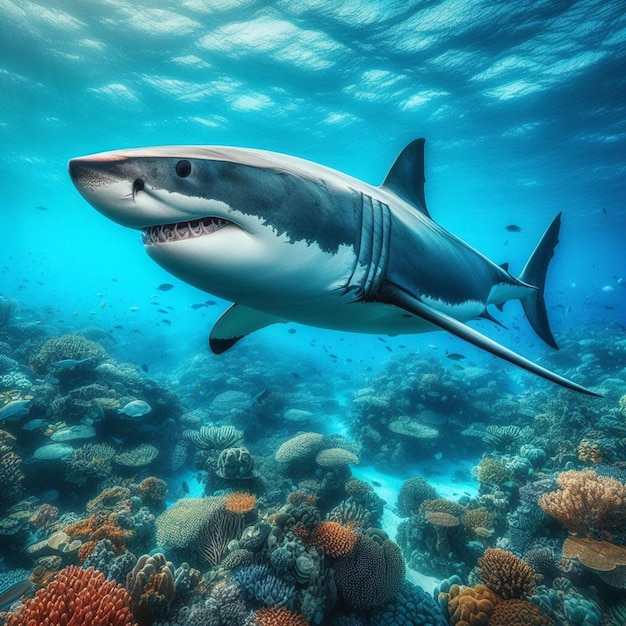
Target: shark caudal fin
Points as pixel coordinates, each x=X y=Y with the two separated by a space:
x=534 y=273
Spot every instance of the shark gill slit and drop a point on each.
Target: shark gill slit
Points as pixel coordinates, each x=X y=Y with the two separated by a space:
x=373 y=246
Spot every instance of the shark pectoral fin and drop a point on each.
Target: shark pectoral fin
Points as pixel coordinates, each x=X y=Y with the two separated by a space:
x=235 y=323
x=394 y=295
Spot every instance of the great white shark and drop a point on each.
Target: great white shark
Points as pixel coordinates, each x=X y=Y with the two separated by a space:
x=288 y=239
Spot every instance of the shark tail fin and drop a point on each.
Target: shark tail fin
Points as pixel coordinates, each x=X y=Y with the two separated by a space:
x=534 y=273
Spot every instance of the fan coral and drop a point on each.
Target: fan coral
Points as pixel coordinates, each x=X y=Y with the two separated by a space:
x=216 y=533
x=279 y=616
x=370 y=574
x=518 y=613
x=240 y=502
x=586 y=503
x=179 y=525
x=214 y=437
x=333 y=538
x=83 y=596
x=470 y=606
x=412 y=493
x=506 y=574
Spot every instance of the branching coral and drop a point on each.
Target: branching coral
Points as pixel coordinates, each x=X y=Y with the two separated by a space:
x=589 y=452
x=506 y=574
x=77 y=597
x=587 y=504
x=279 y=616
x=152 y=492
x=518 y=613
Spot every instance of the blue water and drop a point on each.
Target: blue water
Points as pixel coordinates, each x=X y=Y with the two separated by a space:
x=522 y=106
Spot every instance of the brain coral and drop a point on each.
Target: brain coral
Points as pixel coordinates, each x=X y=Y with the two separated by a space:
x=67 y=347
x=333 y=538
x=84 y=596
x=300 y=447
x=370 y=574
x=412 y=493
x=518 y=613
x=178 y=526
x=506 y=574
x=334 y=457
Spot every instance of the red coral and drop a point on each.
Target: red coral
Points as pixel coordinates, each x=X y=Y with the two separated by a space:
x=279 y=616
x=77 y=597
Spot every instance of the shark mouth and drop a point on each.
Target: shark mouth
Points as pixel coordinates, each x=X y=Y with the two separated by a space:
x=182 y=230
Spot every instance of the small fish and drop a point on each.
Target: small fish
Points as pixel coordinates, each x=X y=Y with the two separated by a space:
x=14 y=409
x=68 y=364
x=165 y=286
x=168 y=322
x=134 y=309
x=40 y=207
x=376 y=483
x=292 y=331
x=455 y=356
x=514 y=228
x=33 y=424
x=155 y=303
x=185 y=486
x=163 y=311
x=607 y=289
x=438 y=456
x=144 y=367
x=198 y=305
x=118 y=327
x=135 y=408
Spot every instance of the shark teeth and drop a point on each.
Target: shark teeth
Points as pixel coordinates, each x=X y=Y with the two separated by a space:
x=182 y=230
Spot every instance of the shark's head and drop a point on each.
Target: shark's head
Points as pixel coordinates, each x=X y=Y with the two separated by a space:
x=221 y=219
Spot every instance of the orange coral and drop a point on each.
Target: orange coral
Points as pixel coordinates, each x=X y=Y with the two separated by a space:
x=279 y=616
x=77 y=597
x=240 y=502
x=586 y=503
x=506 y=574
x=471 y=606
x=519 y=613
x=101 y=525
x=589 y=451
x=333 y=538
x=84 y=552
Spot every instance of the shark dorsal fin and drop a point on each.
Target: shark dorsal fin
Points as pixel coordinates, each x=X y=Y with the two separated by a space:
x=406 y=176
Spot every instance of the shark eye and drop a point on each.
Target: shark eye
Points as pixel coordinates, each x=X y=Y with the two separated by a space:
x=183 y=168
